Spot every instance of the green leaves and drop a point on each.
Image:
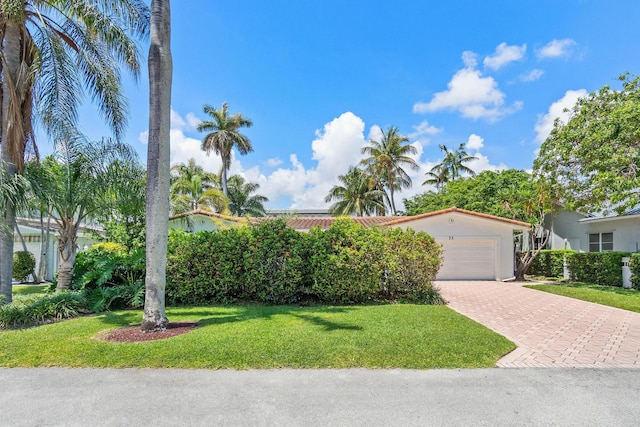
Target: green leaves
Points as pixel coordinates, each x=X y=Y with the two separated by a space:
x=592 y=162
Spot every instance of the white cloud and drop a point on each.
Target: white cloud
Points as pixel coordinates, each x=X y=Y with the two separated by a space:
x=193 y=120
x=424 y=128
x=176 y=120
x=469 y=59
x=482 y=163
x=475 y=142
x=545 y=122
x=273 y=162
x=504 y=55
x=556 y=49
x=470 y=93
x=531 y=76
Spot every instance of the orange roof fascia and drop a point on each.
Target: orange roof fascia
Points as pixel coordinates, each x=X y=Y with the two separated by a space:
x=457 y=210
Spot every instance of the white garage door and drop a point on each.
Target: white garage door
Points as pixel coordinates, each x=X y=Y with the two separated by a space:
x=468 y=260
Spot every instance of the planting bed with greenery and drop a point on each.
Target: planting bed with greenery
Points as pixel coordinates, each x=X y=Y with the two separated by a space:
x=382 y=336
x=627 y=299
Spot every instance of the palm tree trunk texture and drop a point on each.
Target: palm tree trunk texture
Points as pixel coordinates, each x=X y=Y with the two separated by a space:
x=160 y=75
x=67 y=250
x=11 y=50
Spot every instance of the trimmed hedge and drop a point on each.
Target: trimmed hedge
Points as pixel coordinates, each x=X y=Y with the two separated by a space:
x=549 y=263
x=274 y=264
x=602 y=268
x=634 y=265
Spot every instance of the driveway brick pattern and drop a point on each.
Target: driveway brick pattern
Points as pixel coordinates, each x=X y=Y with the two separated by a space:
x=549 y=330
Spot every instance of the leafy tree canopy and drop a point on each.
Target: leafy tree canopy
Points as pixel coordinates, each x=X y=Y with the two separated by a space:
x=592 y=162
x=510 y=194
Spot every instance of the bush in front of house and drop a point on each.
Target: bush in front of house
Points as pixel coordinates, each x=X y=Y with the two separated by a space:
x=602 y=268
x=23 y=264
x=111 y=276
x=549 y=263
x=273 y=264
x=634 y=265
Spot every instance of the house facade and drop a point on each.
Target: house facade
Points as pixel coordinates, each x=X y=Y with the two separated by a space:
x=571 y=230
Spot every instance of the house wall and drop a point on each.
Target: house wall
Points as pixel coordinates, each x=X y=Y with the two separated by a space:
x=626 y=233
x=195 y=223
x=459 y=226
x=564 y=225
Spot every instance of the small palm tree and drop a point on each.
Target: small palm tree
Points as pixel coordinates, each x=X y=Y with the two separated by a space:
x=355 y=196
x=452 y=166
x=241 y=200
x=224 y=135
x=193 y=188
x=386 y=159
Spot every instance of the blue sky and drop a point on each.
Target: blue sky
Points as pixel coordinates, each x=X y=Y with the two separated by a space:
x=319 y=78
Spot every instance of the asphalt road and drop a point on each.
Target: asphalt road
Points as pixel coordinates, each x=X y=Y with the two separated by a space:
x=358 y=397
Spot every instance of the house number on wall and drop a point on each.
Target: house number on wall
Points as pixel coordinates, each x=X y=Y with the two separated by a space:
x=450 y=237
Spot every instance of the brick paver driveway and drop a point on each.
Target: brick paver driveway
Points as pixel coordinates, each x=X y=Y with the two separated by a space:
x=550 y=330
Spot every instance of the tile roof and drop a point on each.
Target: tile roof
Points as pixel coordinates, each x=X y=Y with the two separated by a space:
x=457 y=210
x=209 y=214
x=307 y=223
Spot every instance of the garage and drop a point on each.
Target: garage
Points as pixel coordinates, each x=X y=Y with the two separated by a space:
x=475 y=246
x=468 y=260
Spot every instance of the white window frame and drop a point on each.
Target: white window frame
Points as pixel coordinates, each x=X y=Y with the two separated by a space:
x=602 y=245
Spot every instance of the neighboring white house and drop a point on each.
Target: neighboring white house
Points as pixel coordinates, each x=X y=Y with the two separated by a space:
x=476 y=246
x=583 y=233
x=200 y=220
x=30 y=230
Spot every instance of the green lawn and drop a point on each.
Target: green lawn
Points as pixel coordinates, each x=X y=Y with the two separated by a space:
x=383 y=336
x=29 y=289
x=627 y=299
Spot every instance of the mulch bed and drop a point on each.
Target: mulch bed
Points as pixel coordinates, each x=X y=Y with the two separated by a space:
x=134 y=334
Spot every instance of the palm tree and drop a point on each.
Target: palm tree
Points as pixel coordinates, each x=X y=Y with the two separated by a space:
x=355 y=196
x=386 y=159
x=452 y=165
x=437 y=177
x=75 y=182
x=193 y=188
x=158 y=169
x=241 y=200
x=223 y=136
x=51 y=52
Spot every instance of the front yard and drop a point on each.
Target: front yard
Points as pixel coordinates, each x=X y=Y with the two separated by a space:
x=247 y=337
x=626 y=299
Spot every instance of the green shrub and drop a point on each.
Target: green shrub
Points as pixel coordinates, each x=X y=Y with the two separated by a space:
x=600 y=268
x=273 y=264
x=32 y=311
x=549 y=263
x=23 y=264
x=108 y=264
x=634 y=265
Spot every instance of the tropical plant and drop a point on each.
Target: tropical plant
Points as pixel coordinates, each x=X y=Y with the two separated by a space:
x=385 y=161
x=23 y=264
x=242 y=201
x=75 y=182
x=224 y=136
x=53 y=53
x=124 y=222
x=451 y=167
x=355 y=195
x=158 y=169
x=193 y=188
x=592 y=161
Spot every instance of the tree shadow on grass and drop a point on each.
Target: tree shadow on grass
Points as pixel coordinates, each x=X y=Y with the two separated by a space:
x=232 y=314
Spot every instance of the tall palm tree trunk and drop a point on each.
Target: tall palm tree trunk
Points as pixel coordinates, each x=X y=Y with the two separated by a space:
x=160 y=74
x=11 y=50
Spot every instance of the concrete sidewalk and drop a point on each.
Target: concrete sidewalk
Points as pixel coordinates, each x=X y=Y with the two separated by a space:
x=550 y=330
x=356 y=397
